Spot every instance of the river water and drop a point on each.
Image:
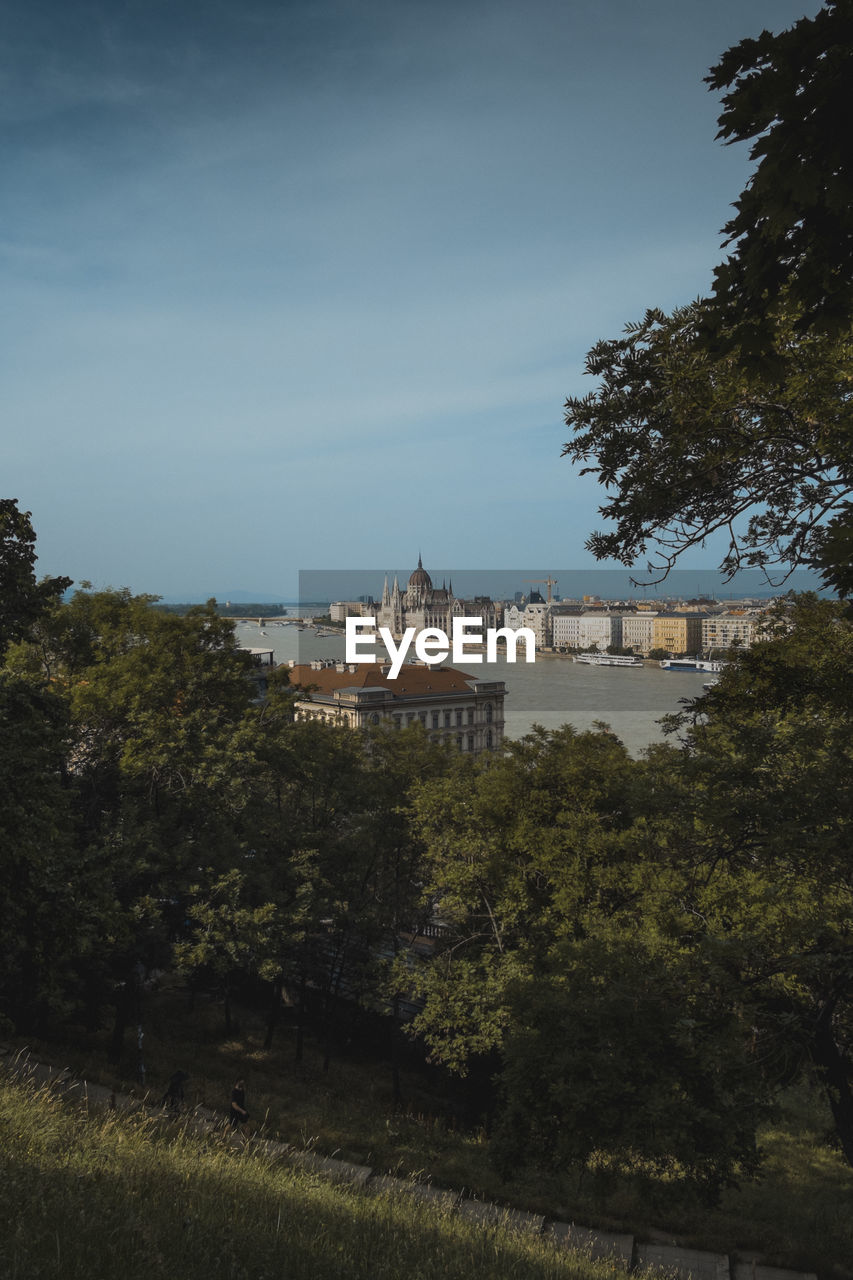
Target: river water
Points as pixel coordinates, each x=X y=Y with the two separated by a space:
x=551 y=691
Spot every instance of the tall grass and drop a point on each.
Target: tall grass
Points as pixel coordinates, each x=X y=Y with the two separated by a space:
x=797 y=1215
x=131 y=1197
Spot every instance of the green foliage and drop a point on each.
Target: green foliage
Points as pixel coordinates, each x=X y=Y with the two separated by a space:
x=146 y=769
x=763 y=837
x=22 y=599
x=230 y=937
x=688 y=444
x=623 y=1049
x=543 y=871
x=733 y=415
x=651 y=949
x=792 y=233
x=56 y=903
x=642 y=951
x=52 y=901
x=108 y=1196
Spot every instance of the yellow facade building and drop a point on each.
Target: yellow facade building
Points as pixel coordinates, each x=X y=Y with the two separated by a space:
x=677 y=633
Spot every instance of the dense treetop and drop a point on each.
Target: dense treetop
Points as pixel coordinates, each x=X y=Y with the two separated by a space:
x=792 y=233
x=733 y=414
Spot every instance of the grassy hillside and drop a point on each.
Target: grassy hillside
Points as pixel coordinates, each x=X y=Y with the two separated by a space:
x=135 y=1197
x=796 y=1215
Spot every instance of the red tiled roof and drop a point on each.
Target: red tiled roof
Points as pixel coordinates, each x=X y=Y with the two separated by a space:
x=412 y=681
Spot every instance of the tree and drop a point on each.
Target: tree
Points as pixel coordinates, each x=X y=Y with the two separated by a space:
x=733 y=414
x=52 y=898
x=792 y=234
x=230 y=938
x=153 y=763
x=624 y=1049
x=554 y=970
x=647 y=951
x=22 y=599
x=56 y=904
x=688 y=443
x=758 y=845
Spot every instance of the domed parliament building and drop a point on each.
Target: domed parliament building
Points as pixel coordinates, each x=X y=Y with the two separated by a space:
x=453 y=706
x=423 y=605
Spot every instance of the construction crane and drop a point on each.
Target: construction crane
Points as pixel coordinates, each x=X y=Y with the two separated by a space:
x=551 y=582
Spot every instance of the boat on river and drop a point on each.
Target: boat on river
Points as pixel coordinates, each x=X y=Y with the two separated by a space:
x=714 y=667
x=608 y=659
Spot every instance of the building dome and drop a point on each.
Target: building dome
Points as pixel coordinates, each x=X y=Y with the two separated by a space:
x=420 y=578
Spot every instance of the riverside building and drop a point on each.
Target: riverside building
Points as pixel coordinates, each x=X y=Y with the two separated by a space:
x=638 y=632
x=737 y=628
x=422 y=605
x=677 y=633
x=586 y=631
x=451 y=706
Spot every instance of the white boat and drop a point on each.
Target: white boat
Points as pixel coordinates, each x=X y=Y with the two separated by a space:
x=608 y=659
x=692 y=664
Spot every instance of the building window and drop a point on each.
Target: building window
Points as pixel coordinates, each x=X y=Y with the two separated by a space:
x=398 y=720
x=470 y=742
x=458 y=719
x=422 y=718
x=489 y=743
x=447 y=719
x=489 y=713
x=470 y=715
x=374 y=717
x=435 y=719
x=459 y=742
x=410 y=718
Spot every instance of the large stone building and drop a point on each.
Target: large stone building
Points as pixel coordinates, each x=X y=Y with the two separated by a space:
x=587 y=631
x=638 y=631
x=736 y=628
x=677 y=633
x=452 y=706
x=340 y=610
x=422 y=605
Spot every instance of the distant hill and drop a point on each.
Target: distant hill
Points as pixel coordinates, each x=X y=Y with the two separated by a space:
x=230 y=608
x=235 y=597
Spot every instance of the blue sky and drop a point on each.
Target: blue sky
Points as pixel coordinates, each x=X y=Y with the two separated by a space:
x=304 y=285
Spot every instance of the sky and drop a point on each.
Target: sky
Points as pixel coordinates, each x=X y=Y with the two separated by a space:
x=304 y=285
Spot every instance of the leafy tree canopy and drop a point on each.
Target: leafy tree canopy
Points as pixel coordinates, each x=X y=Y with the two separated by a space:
x=22 y=598
x=733 y=413
x=557 y=963
x=758 y=850
x=792 y=234
x=688 y=443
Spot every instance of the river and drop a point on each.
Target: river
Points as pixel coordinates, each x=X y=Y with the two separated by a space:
x=551 y=691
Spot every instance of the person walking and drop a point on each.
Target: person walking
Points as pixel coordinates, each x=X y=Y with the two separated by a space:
x=238 y=1114
x=174 y=1095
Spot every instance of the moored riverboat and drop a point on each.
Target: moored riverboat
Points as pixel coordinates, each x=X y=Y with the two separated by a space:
x=692 y=664
x=608 y=659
